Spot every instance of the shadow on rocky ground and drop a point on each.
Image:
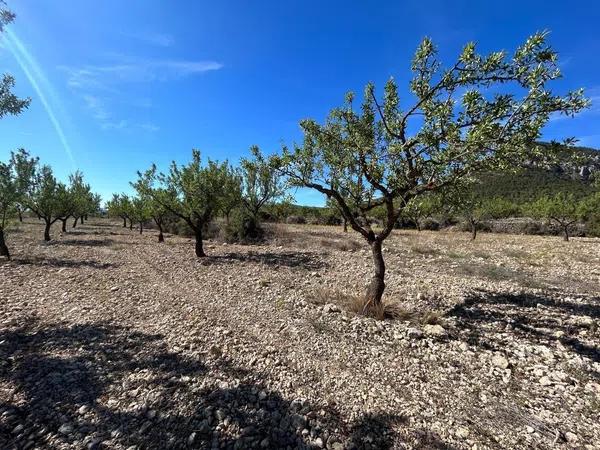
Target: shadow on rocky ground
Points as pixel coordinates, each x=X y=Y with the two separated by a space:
x=303 y=260
x=564 y=321
x=58 y=262
x=101 y=386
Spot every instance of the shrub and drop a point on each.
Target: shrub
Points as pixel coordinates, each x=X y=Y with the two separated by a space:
x=296 y=219
x=243 y=228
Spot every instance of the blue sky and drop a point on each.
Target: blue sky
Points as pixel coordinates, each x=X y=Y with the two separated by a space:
x=118 y=85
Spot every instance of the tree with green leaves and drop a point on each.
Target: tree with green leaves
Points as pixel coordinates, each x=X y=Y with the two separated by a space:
x=193 y=192
x=9 y=102
x=483 y=113
x=262 y=184
x=15 y=177
x=45 y=197
x=422 y=207
x=120 y=206
x=563 y=209
x=140 y=211
x=466 y=202
x=155 y=199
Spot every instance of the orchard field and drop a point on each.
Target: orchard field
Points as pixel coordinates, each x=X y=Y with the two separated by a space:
x=109 y=340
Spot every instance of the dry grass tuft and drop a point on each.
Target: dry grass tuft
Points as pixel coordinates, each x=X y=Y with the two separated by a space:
x=386 y=310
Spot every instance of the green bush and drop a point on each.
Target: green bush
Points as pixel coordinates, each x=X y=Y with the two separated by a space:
x=243 y=228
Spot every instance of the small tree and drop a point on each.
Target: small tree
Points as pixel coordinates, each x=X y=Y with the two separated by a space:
x=15 y=176
x=120 y=206
x=387 y=155
x=140 y=209
x=422 y=207
x=262 y=184
x=193 y=192
x=563 y=209
x=44 y=197
x=155 y=200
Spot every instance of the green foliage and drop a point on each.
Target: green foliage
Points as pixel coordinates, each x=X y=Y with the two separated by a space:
x=562 y=208
x=9 y=103
x=261 y=183
x=243 y=228
x=15 y=177
x=367 y=158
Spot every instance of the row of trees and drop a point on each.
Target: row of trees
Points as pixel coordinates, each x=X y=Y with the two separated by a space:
x=466 y=203
x=195 y=193
x=482 y=114
x=25 y=185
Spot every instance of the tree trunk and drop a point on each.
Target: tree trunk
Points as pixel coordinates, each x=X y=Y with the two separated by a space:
x=47 y=230
x=81 y=220
x=141 y=227
x=418 y=224
x=345 y=225
x=161 y=238
x=473 y=230
x=377 y=286
x=64 y=225
x=199 y=250
x=124 y=222
x=130 y=224
x=566 y=236
x=20 y=213
x=75 y=222
x=3 y=248
x=86 y=217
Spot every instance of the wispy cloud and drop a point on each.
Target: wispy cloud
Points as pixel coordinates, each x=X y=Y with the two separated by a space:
x=156 y=39
x=104 y=77
x=98 y=84
x=41 y=86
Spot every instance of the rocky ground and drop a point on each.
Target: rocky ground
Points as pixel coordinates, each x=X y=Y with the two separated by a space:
x=110 y=340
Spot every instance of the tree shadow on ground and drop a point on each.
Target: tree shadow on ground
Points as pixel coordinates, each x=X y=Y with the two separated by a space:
x=56 y=262
x=305 y=260
x=102 y=386
x=485 y=317
x=83 y=242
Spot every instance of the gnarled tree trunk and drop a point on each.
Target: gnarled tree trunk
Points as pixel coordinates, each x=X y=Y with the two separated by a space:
x=141 y=227
x=345 y=225
x=64 y=225
x=199 y=249
x=130 y=224
x=473 y=230
x=47 y=230
x=377 y=285
x=75 y=222
x=161 y=238
x=124 y=222
x=3 y=248
x=566 y=230
x=20 y=213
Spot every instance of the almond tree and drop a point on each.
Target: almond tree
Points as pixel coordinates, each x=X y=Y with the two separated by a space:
x=120 y=206
x=15 y=176
x=262 y=184
x=155 y=199
x=193 y=192
x=9 y=102
x=562 y=209
x=482 y=113
x=45 y=196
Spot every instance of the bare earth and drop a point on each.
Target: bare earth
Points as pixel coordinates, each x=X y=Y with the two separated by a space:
x=110 y=340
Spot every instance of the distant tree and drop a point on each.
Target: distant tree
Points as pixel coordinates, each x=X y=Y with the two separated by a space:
x=262 y=184
x=335 y=211
x=140 y=209
x=194 y=192
x=9 y=102
x=15 y=177
x=120 y=206
x=422 y=207
x=374 y=157
x=466 y=202
x=155 y=199
x=563 y=209
x=45 y=196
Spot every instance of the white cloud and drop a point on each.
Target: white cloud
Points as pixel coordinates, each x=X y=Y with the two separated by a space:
x=156 y=39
